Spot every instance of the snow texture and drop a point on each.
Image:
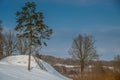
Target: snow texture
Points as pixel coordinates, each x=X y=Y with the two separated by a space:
x=15 y=68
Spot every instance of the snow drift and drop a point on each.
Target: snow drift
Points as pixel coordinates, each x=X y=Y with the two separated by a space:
x=15 y=68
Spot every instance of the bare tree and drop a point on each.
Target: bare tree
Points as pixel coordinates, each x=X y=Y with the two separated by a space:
x=116 y=63
x=22 y=46
x=1 y=39
x=9 y=43
x=83 y=50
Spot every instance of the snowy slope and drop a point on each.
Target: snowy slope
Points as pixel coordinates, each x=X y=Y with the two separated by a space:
x=15 y=68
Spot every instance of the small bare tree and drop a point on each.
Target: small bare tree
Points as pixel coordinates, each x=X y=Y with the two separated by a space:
x=83 y=50
x=9 y=43
x=116 y=63
x=22 y=46
x=1 y=39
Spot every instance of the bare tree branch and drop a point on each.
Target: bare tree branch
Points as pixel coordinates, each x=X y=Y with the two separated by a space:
x=83 y=50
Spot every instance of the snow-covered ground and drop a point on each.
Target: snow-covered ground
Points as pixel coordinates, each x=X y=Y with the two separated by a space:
x=15 y=68
x=67 y=66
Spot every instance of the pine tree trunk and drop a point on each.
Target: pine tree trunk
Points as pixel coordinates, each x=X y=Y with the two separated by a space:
x=30 y=44
x=29 y=58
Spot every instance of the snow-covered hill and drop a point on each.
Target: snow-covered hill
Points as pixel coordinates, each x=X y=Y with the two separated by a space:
x=15 y=68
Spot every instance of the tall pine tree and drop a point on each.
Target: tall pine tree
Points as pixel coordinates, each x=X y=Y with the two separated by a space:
x=30 y=25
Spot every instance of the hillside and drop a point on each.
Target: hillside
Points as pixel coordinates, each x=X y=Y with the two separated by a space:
x=15 y=68
x=54 y=60
x=70 y=67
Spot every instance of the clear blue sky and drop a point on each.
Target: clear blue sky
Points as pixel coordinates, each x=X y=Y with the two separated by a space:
x=69 y=18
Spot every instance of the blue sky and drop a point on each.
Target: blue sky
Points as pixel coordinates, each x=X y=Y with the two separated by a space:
x=69 y=18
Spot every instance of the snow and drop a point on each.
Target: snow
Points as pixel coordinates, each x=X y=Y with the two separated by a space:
x=15 y=68
x=67 y=66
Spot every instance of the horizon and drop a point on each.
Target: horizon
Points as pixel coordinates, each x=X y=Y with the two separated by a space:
x=101 y=19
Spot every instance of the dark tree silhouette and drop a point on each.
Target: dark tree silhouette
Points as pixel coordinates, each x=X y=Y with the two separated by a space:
x=1 y=26
x=117 y=63
x=83 y=50
x=30 y=25
x=22 y=46
x=1 y=39
x=9 y=43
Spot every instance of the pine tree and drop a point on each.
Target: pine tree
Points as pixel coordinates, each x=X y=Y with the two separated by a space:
x=30 y=25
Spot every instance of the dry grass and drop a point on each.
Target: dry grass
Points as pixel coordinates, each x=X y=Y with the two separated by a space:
x=100 y=76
